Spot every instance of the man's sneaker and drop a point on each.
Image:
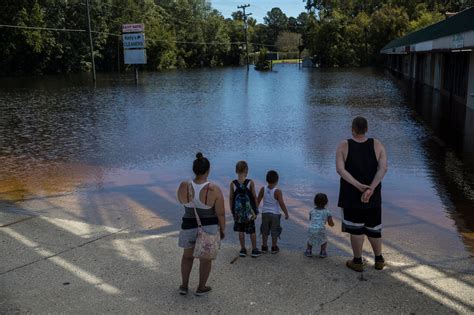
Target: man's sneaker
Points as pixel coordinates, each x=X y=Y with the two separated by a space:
x=183 y=290
x=256 y=253
x=379 y=264
x=275 y=249
x=323 y=254
x=203 y=291
x=359 y=267
x=264 y=249
x=308 y=253
x=243 y=252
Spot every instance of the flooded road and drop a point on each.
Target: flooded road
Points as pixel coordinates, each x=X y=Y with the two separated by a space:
x=114 y=155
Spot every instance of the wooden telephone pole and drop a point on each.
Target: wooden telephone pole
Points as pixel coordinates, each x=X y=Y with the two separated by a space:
x=90 y=40
x=245 y=29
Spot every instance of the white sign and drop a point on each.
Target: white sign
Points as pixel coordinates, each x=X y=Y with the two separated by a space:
x=134 y=56
x=133 y=28
x=136 y=40
x=458 y=41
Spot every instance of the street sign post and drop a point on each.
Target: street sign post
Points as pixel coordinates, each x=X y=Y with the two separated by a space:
x=134 y=56
x=133 y=28
x=133 y=40
x=134 y=52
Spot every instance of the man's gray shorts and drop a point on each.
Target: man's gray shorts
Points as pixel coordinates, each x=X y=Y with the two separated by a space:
x=271 y=224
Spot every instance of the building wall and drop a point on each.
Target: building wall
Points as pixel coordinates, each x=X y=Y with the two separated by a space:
x=470 y=87
x=437 y=72
x=427 y=67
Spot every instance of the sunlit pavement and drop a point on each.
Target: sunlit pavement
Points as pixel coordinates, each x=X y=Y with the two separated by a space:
x=62 y=265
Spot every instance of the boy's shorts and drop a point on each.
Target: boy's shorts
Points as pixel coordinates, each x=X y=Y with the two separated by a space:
x=363 y=221
x=248 y=228
x=271 y=224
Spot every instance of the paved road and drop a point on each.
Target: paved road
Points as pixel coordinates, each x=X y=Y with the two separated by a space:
x=56 y=265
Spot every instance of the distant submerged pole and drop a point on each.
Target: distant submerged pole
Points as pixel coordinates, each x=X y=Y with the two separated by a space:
x=245 y=29
x=90 y=40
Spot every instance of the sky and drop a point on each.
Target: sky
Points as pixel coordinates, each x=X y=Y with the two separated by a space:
x=259 y=8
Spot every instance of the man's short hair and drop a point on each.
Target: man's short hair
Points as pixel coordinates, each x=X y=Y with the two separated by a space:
x=360 y=125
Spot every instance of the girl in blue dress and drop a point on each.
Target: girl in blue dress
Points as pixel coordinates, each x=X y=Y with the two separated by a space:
x=318 y=217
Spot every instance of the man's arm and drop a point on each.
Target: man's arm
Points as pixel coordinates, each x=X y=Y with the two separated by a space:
x=281 y=202
x=381 y=171
x=342 y=150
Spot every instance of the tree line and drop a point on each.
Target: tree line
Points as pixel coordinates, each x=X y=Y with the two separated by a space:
x=191 y=33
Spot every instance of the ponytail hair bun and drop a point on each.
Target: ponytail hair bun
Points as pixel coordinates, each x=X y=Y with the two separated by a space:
x=201 y=164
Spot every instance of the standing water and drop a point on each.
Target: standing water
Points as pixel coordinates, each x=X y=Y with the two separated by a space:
x=114 y=154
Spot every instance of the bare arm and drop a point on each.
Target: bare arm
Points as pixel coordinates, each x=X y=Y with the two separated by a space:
x=252 y=190
x=182 y=193
x=281 y=202
x=260 y=197
x=220 y=210
x=381 y=171
x=341 y=152
x=382 y=167
x=330 y=221
x=231 y=196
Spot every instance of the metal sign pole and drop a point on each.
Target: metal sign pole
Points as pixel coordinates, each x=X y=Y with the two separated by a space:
x=133 y=39
x=136 y=74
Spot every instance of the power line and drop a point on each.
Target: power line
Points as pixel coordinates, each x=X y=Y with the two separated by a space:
x=43 y=28
x=55 y=29
x=118 y=35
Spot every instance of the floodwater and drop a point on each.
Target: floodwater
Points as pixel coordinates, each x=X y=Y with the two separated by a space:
x=114 y=154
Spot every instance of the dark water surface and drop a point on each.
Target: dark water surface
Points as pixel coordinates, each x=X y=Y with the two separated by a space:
x=124 y=148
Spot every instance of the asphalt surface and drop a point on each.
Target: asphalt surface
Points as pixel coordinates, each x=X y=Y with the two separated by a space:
x=57 y=265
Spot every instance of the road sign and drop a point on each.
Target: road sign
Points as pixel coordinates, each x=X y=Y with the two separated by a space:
x=134 y=56
x=135 y=40
x=133 y=28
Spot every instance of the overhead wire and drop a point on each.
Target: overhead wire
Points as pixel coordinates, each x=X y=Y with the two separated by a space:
x=119 y=35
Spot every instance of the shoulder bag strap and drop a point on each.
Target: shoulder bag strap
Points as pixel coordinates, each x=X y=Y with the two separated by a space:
x=194 y=206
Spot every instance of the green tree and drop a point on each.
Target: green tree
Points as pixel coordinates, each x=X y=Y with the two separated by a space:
x=276 y=22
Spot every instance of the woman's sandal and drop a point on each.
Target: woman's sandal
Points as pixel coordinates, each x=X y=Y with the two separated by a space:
x=183 y=290
x=203 y=291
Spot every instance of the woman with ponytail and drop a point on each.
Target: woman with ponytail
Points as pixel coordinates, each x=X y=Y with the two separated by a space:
x=208 y=200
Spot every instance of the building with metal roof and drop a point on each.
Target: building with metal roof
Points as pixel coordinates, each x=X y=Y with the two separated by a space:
x=440 y=56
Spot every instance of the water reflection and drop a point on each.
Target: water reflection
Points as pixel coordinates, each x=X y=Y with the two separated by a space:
x=122 y=147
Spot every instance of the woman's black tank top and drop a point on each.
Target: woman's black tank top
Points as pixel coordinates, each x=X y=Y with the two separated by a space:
x=362 y=164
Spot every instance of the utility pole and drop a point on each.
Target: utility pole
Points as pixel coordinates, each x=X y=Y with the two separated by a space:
x=118 y=50
x=300 y=47
x=245 y=29
x=90 y=40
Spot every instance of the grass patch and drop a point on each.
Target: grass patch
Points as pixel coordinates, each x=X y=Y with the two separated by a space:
x=286 y=61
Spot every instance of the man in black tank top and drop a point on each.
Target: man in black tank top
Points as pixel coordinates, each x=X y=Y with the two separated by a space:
x=362 y=163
